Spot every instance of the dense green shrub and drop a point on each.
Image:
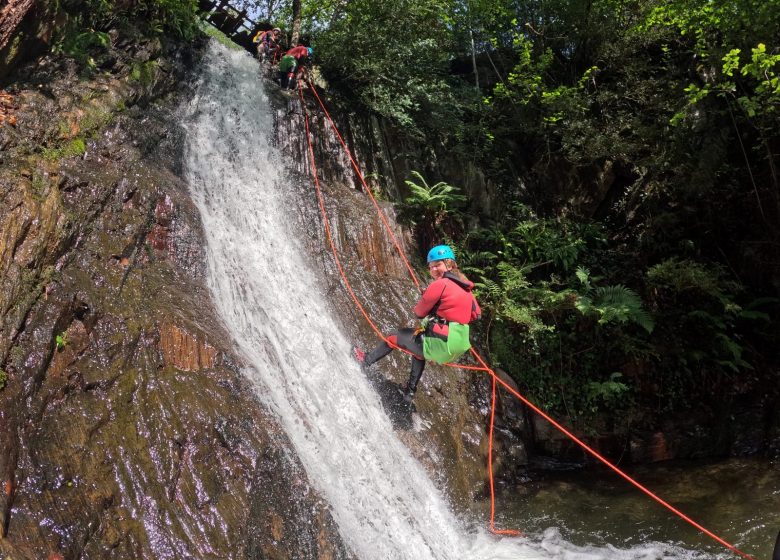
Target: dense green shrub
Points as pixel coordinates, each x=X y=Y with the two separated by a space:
x=85 y=30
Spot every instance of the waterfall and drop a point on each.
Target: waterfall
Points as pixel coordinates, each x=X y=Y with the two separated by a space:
x=268 y=295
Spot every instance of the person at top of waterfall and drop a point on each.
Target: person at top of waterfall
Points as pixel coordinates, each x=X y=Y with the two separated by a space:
x=267 y=43
x=446 y=308
x=292 y=66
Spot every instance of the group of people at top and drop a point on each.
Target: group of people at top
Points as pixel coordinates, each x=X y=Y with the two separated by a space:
x=292 y=65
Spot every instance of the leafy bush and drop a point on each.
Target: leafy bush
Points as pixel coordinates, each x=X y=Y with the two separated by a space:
x=612 y=303
x=79 y=44
x=392 y=57
x=434 y=210
x=555 y=328
x=89 y=20
x=702 y=302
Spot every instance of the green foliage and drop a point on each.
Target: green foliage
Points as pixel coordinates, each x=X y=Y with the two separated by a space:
x=553 y=326
x=711 y=25
x=754 y=85
x=3 y=379
x=607 y=393
x=85 y=34
x=61 y=341
x=433 y=201
x=433 y=210
x=392 y=56
x=612 y=303
x=80 y=45
x=525 y=238
x=703 y=301
x=144 y=73
x=512 y=298
x=176 y=17
x=212 y=31
x=72 y=148
x=685 y=277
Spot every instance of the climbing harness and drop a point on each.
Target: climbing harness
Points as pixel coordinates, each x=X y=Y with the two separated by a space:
x=495 y=378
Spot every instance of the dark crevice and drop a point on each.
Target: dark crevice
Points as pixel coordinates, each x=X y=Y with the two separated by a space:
x=135 y=247
x=20 y=239
x=181 y=447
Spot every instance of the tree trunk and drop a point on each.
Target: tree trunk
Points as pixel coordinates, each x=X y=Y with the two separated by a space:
x=296 y=26
x=11 y=16
x=474 y=60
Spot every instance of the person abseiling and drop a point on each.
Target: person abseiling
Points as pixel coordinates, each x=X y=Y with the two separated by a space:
x=446 y=308
x=267 y=43
x=292 y=64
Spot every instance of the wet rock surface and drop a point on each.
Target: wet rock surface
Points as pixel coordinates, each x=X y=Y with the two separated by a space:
x=126 y=428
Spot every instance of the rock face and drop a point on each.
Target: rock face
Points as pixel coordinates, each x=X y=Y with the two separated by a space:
x=126 y=429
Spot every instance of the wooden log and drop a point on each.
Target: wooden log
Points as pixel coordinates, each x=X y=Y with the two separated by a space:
x=11 y=15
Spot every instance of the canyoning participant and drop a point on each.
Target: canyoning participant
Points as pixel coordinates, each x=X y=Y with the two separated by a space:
x=446 y=308
x=267 y=43
x=292 y=65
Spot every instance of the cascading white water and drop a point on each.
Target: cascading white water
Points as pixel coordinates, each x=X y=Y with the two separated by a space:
x=385 y=505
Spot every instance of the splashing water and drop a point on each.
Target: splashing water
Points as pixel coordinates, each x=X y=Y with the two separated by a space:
x=269 y=297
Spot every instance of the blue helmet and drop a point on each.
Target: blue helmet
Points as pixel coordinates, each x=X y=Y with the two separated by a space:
x=440 y=252
x=311 y=51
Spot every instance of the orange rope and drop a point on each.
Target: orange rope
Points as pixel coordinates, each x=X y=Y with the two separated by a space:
x=367 y=190
x=510 y=532
x=483 y=365
x=326 y=223
x=604 y=460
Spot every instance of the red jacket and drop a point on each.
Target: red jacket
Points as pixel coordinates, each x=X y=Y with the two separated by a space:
x=450 y=298
x=298 y=52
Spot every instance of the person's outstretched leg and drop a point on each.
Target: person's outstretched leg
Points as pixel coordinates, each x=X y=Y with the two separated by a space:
x=418 y=366
x=382 y=350
x=403 y=338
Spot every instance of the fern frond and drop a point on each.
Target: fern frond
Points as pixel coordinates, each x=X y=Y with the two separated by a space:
x=494 y=289
x=621 y=304
x=583 y=274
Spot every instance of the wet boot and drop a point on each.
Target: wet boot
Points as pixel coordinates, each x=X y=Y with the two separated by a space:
x=414 y=379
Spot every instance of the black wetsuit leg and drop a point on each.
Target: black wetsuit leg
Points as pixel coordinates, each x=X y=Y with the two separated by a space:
x=403 y=338
x=414 y=376
x=408 y=340
x=776 y=553
x=412 y=341
x=382 y=350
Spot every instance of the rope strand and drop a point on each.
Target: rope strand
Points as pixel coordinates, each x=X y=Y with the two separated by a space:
x=367 y=190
